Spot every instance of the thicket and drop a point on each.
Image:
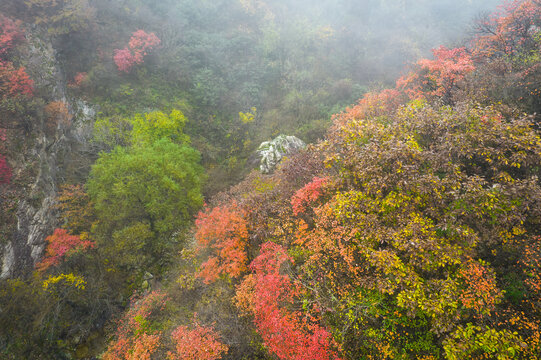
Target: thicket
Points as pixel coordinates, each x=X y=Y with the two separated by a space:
x=410 y=231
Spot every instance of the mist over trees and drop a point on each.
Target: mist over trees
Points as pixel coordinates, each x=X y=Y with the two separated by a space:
x=135 y=224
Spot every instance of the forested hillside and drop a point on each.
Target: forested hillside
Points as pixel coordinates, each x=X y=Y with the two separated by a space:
x=136 y=223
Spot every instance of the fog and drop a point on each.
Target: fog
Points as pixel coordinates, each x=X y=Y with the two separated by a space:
x=297 y=62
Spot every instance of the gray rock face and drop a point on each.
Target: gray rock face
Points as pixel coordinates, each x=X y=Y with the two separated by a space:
x=272 y=152
x=36 y=214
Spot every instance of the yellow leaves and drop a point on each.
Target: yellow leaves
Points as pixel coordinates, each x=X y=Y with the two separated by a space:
x=325 y=32
x=248 y=117
x=411 y=108
x=505 y=177
x=392 y=272
x=263 y=184
x=465 y=342
x=68 y=279
x=413 y=144
x=156 y=125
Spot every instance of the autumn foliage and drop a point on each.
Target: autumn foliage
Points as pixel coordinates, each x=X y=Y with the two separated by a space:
x=5 y=171
x=410 y=232
x=10 y=34
x=270 y=295
x=79 y=80
x=136 y=337
x=59 y=245
x=481 y=292
x=196 y=343
x=223 y=231
x=412 y=241
x=437 y=77
x=308 y=194
x=76 y=209
x=13 y=81
x=58 y=114
x=508 y=31
x=140 y=44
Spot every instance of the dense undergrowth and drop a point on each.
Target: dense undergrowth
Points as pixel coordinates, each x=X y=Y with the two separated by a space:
x=411 y=231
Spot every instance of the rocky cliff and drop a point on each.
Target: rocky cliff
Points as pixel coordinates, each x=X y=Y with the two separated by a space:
x=55 y=156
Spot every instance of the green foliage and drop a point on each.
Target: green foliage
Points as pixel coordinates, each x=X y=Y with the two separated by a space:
x=112 y=131
x=140 y=130
x=153 y=187
x=404 y=250
x=156 y=125
x=474 y=341
x=61 y=16
x=421 y=243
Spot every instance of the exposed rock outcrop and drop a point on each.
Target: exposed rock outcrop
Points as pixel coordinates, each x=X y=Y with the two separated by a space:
x=51 y=153
x=272 y=152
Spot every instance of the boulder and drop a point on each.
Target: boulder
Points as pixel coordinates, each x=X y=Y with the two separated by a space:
x=272 y=152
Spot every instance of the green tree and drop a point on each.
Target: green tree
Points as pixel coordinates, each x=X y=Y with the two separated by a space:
x=143 y=197
x=157 y=125
x=61 y=16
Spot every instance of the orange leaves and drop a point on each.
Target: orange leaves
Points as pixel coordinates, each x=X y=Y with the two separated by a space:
x=139 y=335
x=508 y=31
x=308 y=194
x=10 y=34
x=371 y=104
x=532 y=266
x=13 y=81
x=143 y=347
x=448 y=67
x=481 y=293
x=80 y=79
x=57 y=114
x=430 y=78
x=439 y=76
x=223 y=232
x=136 y=336
x=61 y=244
x=196 y=343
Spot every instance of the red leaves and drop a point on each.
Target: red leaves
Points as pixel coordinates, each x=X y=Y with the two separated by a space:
x=60 y=244
x=10 y=34
x=198 y=343
x=224 y=232
x=5 y=169
x=308 y=194
x=79 y=80
x=140 y=43
x=437 y=77
x=272 y=297
x=135 y=336
x=139 y=46
x=20 y=83
x=510 y=30
x=13 y=81
x=124 y=59
x=481 y=293
x=143 y=347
